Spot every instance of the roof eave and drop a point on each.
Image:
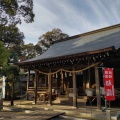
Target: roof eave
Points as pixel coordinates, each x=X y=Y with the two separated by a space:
x=69 y=56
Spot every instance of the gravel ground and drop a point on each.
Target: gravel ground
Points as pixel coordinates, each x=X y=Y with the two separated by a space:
x=32 y=115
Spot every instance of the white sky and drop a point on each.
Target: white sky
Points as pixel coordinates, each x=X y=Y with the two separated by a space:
x=71 y=16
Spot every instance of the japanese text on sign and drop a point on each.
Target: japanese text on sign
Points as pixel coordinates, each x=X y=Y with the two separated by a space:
x=109 y=83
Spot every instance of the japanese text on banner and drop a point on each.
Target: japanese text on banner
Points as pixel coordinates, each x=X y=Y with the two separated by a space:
x=109 y=83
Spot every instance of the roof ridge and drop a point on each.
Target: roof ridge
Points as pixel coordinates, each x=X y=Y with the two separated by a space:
x=88 y=33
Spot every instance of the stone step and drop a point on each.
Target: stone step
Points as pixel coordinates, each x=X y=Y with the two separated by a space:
x=62 y=96
x=82 y=97
x=81 y=100
x=78 y=99
x=58 y=100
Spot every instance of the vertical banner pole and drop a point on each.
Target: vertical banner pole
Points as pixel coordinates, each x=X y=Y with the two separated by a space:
x=109 y=103
x=105 y=103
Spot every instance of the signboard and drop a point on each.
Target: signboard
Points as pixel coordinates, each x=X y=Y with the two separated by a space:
x=109 y=84
x=3 y=87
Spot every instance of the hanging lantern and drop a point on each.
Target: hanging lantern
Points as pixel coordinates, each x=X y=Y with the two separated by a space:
x=56 y=75
x=70 y=74
x=65 y=74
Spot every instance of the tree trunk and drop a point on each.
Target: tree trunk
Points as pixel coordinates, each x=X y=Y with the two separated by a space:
x=12 y=94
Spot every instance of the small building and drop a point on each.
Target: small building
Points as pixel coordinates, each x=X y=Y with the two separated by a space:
x=73 y=64
x=24 y=78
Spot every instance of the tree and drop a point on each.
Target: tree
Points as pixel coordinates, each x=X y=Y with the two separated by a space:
x=46 y=40
x=12 y=74
x=12 y=39
x=29 y=51
x=15 y=54
x=12 y=11
x=11 y=36
x=4 y=55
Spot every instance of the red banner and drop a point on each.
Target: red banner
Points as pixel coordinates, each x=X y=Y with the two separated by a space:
x=109 y=83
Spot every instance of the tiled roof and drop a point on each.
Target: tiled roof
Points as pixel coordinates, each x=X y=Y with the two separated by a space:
x=91 y=41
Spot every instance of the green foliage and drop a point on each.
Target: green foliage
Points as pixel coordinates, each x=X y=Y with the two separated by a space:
x=12 y=73
x=11 y=36
x=12 y=39
x=29 y=51
x=4 y=55
x=15 y=54
x=21 y=72
x=12 y=11
x=46 y=40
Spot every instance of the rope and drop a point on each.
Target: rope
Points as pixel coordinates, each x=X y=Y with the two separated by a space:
x=76 y=71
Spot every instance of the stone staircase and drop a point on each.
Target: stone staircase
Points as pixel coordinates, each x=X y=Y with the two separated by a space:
x=61 y=99
x=81 y=100
x=66 y=100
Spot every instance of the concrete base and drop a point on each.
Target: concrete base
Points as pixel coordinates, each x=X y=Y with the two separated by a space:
x=49 y=104
x=74 y=107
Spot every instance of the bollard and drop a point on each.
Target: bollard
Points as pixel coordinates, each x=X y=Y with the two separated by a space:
x=108 y=115
x=1 y=104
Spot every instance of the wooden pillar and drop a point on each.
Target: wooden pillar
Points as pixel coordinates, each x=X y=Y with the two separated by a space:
x=97 y=88
x=84 y=80
x=62 y=83
x=50 y=88
x=74 y=89
x=35 y=87
x=45 y=81
x=28 y=79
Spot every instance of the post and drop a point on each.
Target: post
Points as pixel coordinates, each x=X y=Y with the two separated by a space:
x=35 y=87
x=50 y=88
x=97 y=88
x=62 y=83
x=12 y=95
x=45 y=81
x=74 y=89
x=108 y=115
x=28 y=79
x=1 y=83
x=1 y=101
x=1 y=93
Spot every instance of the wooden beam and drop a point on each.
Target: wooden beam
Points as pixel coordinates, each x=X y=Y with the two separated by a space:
x=97 y=88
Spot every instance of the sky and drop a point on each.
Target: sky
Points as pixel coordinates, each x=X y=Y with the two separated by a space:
x=71 y=16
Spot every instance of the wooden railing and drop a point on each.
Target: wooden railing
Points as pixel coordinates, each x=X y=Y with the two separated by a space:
x=44 y=89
